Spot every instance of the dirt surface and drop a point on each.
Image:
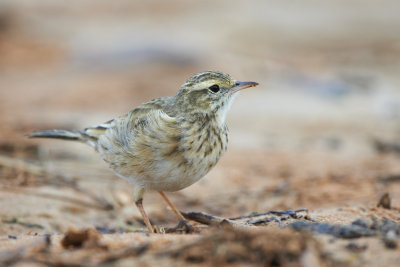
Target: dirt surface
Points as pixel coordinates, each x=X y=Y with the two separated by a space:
x=319 y=135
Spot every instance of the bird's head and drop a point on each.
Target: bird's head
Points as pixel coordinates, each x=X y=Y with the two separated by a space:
x=210 y=92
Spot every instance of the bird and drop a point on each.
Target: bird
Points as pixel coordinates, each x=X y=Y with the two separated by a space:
x=168 y=143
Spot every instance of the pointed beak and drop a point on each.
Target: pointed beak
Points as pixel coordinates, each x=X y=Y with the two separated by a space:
x=243 y=85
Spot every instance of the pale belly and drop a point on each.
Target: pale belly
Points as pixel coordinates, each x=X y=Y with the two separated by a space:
x=172 y=178
x=169 y=176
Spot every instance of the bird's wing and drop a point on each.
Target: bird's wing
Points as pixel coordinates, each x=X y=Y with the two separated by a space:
x=131 y=118
x=95 y=131
x=141 y=137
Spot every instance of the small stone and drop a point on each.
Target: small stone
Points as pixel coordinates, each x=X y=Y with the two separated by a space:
x=390 y=240
x=80 y=238
x=384 y=201
x=354 y=247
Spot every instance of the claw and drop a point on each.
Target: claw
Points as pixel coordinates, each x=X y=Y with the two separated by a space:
x=183 y=227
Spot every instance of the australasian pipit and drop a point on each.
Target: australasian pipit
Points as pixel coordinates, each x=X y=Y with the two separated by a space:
x=168 y=143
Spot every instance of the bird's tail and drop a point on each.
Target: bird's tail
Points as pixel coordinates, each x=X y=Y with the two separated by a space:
x=79 y=136
x=58 y=134
x=89 y=135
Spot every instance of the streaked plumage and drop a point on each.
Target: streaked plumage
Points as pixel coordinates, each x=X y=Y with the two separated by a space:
x=167 y=143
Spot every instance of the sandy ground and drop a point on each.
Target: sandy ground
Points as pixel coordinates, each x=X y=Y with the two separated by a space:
x=321 y=132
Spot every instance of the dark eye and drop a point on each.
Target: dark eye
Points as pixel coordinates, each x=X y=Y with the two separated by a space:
x=214 y=88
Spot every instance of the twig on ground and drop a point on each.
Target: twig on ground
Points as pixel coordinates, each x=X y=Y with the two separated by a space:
x=26 y=224
x=125 y=253
x=209 y=219
x=291 y=213
x=244 y=221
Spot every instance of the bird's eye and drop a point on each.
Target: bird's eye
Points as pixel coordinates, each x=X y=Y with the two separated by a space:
x=214 y=88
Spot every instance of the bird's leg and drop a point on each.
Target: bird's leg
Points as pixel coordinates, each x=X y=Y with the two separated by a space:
x=139 y=205
x=174 y=210
x=183 y=225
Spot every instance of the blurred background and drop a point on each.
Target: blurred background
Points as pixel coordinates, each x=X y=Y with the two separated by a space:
x=312 y=134
x=319 y=65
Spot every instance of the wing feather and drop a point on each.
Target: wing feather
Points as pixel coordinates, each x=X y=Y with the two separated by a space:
x=138 y=140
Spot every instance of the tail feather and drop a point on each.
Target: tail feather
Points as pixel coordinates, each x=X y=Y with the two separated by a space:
x=88 y=135
x=60 y=134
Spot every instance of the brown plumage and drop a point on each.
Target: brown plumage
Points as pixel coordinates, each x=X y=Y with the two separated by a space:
x=167 y=143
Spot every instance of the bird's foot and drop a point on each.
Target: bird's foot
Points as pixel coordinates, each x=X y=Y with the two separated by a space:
x=183 y=227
